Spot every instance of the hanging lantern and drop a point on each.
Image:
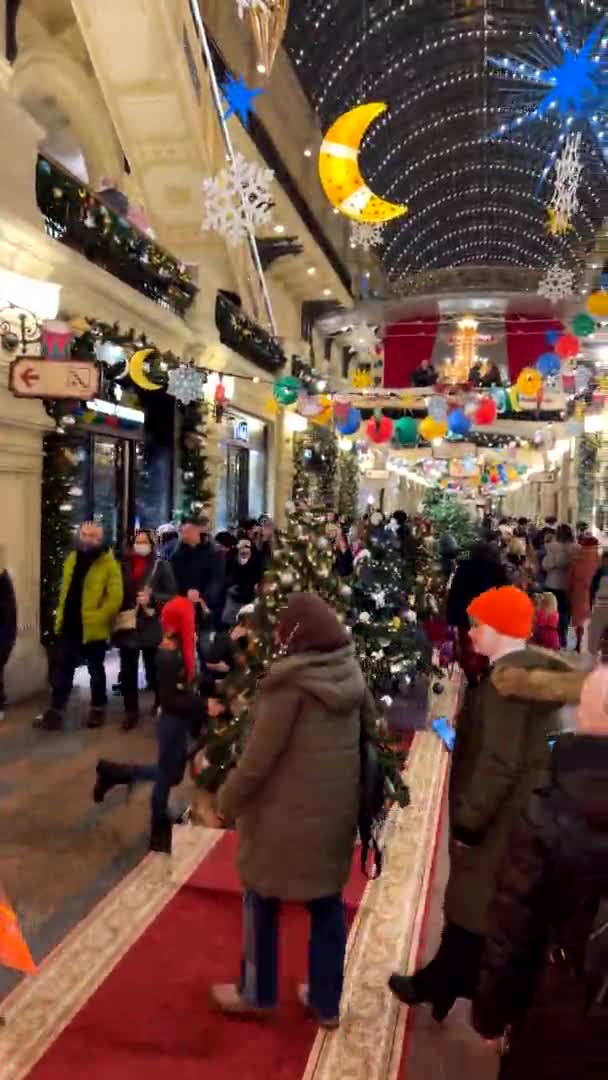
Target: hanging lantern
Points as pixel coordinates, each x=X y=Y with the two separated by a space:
x=597 y=304
x=548 y=364
x=286 y=389
x=458 y=422
x=529 y=382
x=486 y=412
x=432 y=429
x=567 y=347
x=349 y=424
x=406 y=431
x=379 y=428
x=583 y=325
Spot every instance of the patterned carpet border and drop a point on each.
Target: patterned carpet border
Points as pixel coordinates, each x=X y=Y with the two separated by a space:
x=41 y=1007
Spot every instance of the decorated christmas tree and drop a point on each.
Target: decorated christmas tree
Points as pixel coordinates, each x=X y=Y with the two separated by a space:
x=449 y=516
x=304 y=562
x=392 y=598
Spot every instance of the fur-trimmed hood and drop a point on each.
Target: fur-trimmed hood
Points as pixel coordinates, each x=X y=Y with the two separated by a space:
x=536 y=674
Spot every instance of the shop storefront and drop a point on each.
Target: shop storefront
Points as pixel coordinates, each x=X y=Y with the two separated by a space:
x=243 y=488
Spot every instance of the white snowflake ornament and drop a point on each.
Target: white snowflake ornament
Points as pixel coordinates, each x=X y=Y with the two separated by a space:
x=237 y=200
x=568 y=169
x=362 y=339
x=365 y=235
x=252 y=5
x=186 y=384
x=365 y=618
x=557 y=283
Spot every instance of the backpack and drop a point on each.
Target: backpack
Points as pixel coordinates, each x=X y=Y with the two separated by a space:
x=596 y=957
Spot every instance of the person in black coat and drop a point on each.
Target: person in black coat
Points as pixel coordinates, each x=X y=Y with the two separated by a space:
x=536 y=978
x=200 y=571
x=482 y=570
x=8 y=627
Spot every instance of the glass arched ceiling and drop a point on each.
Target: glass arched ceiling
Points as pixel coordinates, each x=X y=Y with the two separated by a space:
x=473 y=199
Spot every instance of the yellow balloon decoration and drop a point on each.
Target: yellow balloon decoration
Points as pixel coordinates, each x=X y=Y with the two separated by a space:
x=362 y=379
x=137 y=373
x=597 y=304
x=529 y=382
x=512 y=473
x=326 y=415
x=432 y=429
x=271 y=407
x=339 y=168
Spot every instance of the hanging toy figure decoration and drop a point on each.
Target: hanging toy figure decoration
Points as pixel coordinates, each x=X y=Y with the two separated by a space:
x=186 y=383
x=239 y=98
x=339 y=170
x=237 y=199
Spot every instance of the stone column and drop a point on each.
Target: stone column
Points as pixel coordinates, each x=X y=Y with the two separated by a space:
x=23 y=135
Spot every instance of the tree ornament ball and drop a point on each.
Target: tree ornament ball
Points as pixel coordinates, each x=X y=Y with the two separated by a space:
x=583 y=325
x=567 y=346
x=286 y=579
x=406 y=431
x=597 y=304
x=486 y=412
x=346 y=592
x=529 y=382
x=286 y=390
x=323 y=543
x=458 y=422
x=438 y=688
x=432 y=429
x=379 y=429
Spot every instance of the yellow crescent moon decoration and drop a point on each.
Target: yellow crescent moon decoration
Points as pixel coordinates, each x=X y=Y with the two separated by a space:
x=137 y=373
x=339 y=168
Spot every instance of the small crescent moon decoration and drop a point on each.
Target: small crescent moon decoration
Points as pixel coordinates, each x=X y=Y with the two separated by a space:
x=339 y=168
x=137 y=373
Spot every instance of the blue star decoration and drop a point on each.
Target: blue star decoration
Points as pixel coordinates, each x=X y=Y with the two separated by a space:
x=239 y=98
x=571 y=91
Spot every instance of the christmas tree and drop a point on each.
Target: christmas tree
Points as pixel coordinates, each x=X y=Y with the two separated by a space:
x=304 y=562
x=392 y=596
x=348 y=484
x=449 y=516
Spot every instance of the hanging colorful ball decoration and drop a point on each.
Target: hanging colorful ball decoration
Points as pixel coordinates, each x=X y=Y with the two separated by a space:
x=286 y=389
x=486 y=412
x=458 y=422
x=438 y=408
x=349 y=424
x=379 y=428
x=548 y=364
x=432 y=429
x=583 y=325
x=529 y=382
x=324 y=416
x=597 y=304
x=406 y=431
x=567 y=346
x=500 y=397
x=552 y=336
x=342 y=406
x=309 y=406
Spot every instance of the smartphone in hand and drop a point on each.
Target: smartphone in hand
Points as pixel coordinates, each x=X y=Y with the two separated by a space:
x=446 y=733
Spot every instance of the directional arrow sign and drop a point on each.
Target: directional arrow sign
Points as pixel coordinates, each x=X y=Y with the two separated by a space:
x=33 y=377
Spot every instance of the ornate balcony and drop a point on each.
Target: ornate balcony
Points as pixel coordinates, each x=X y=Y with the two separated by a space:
x=76 y=216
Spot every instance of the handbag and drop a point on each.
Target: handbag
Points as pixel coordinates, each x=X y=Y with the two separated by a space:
x=125 y=621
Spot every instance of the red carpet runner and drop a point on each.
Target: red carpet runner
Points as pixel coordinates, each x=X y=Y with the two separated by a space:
x=151 y=1018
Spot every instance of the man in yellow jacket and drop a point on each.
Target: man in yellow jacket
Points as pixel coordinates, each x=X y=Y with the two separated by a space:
x=90 y=597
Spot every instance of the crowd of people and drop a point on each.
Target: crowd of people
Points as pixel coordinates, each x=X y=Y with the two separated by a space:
x=526 y=905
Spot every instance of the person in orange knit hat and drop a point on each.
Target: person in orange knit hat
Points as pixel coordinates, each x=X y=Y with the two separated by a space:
x=501 y=755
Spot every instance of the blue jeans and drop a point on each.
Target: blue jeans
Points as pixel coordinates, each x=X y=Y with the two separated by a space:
x=327 y=951
x=170 y=768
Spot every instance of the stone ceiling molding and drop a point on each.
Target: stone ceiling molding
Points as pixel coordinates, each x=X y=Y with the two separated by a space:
x=48 y=72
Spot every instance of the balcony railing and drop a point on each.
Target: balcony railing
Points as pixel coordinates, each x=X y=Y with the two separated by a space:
x=76 y=216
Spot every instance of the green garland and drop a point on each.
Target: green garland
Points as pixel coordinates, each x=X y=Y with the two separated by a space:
x=587 y=473
x=195 y=492
x=58 y=475
x=348 y=484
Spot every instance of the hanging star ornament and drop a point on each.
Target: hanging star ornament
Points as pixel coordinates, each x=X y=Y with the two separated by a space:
x=568 y=84
x=239 y=98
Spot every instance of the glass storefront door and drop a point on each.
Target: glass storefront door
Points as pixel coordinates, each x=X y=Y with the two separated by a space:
x=109 y=481
x=243 y=492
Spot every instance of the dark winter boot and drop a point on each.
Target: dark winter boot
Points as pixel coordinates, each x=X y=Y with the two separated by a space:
x=160 y=838
x=110 y=775
x=130 y=721
x=404 y=988
x=51 y=720
x=97 y=716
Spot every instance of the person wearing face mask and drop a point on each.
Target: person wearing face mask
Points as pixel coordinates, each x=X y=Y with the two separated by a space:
x=501 y=754
x=89 y=599
x=148 y=583
x=244 y=575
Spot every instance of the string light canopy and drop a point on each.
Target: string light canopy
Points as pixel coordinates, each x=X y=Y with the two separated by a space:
x=454 y=145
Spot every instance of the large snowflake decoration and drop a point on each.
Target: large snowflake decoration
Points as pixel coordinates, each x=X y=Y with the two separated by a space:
x=252 y=5
x=568 y=169
x=567 y=84
x=366 y=235
x=237 y=200
x=186 y=383
x=362 y=339
x=557 y=283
